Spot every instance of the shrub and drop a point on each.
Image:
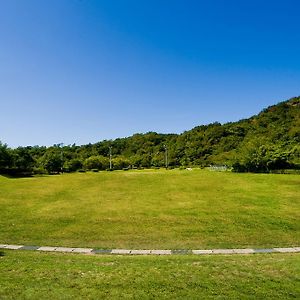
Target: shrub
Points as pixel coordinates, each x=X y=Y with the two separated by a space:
x=96 y=162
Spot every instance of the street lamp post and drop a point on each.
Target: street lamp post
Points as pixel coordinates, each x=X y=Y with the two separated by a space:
x=166 y=156
x=62 y=157
x=110 y=164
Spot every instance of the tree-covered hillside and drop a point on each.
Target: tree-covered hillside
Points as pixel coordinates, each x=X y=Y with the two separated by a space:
x=265 y=142
x=269 y=140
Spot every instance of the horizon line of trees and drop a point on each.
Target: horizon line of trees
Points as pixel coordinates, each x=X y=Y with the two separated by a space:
x=253 y=157
x=263 y=143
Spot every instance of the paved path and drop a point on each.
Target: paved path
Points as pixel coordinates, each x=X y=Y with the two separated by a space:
x=150 y=252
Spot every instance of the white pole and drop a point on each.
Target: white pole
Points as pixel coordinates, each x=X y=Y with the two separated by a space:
x=62 y=156
x=110 y=158
x=166 y=156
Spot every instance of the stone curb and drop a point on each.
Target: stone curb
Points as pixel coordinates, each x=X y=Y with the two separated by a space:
x=150 y=252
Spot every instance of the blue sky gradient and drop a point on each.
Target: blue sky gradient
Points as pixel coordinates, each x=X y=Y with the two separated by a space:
x=80 y=71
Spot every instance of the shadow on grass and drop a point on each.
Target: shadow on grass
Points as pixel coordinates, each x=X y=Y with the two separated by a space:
x=16 y=176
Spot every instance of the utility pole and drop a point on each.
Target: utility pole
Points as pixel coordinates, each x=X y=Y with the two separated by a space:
x=61 y=156
x=166 y=156
x=110 y=165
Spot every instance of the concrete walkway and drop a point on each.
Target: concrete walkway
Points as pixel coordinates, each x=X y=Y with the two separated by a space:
x=149 y=252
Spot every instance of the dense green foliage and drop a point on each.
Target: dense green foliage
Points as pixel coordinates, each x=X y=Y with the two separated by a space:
x=262 y=143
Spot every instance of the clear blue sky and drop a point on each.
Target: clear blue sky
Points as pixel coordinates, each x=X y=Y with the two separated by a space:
x=80 y=71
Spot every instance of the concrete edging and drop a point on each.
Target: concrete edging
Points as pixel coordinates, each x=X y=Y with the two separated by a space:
x=150 y=252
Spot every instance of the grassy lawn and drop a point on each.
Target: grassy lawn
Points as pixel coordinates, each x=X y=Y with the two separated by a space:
x=152 y=209
x=34 y=275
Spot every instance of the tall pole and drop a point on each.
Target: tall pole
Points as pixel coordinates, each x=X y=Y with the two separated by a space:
x=62 y=156
x=110 y=165
x=166 y=156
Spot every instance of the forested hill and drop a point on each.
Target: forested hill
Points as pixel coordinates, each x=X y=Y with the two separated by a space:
x=272 y=134
x=265 y=142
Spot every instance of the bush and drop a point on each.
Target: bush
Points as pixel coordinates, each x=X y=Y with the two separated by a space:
x=238 y=167
x=96 y=162
x=39 y=171
x=120 y=163
x=73 y=165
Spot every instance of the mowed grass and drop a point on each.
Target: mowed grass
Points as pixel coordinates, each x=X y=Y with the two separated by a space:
x=152 y=209
x=34 y=275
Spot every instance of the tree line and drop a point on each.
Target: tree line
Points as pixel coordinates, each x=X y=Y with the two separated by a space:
x=263 y=143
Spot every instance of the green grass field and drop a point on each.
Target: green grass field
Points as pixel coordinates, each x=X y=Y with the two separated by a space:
x=152 y=209
x=34 y=275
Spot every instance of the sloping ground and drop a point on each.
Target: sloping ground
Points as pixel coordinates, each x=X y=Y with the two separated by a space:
x=152 y=210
